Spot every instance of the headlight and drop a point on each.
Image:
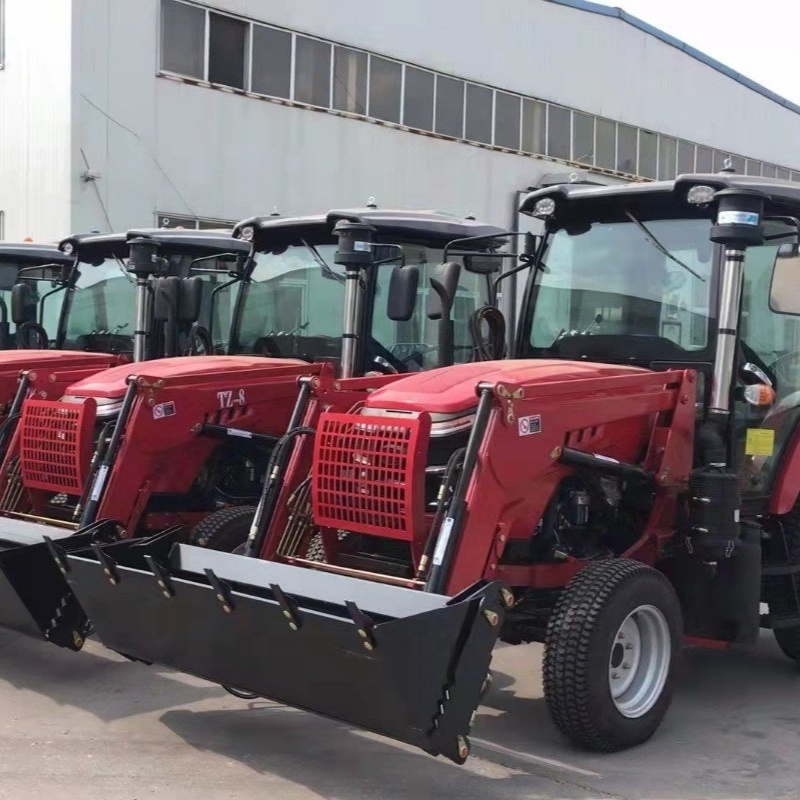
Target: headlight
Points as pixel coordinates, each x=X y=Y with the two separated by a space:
x=247 y=233
x=68 y=249
x=700 y=195
x=544 y=208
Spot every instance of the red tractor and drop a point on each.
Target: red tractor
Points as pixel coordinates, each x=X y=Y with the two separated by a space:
x=136 y=450
x=627 y=483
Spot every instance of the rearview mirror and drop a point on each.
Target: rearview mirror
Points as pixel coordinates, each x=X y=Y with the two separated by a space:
x=402 y=293
x=191 y=298
x=23 y=303
x=784 y=292
x=165 y=301
x=483 y=263
x=444 y=282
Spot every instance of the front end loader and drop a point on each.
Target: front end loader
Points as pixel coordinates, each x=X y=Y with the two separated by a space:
x=627 y=484
x=140 y=449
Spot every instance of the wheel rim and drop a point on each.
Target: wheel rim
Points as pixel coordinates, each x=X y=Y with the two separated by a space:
x=639 y=661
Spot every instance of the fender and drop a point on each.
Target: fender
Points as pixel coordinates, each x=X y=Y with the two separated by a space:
x=786 y=488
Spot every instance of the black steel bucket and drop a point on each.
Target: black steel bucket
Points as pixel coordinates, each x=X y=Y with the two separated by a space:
x=35 y=598
x=396 y=661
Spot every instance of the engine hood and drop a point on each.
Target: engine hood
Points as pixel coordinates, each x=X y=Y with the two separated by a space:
x=111 y=383
x=450 y=390
x=15 y=360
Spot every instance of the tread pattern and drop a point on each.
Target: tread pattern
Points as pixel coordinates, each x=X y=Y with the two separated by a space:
x=218 y=523
x=566 y=672
x=778 y=594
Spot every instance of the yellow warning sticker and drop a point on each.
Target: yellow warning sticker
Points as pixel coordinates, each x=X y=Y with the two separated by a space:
x=759 y=442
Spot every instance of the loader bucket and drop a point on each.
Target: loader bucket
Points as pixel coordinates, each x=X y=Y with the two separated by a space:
x=392 y=660
x=35 y=599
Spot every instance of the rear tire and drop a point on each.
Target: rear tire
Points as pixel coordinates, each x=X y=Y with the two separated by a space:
x=788 y=640
x=779 y=594
x=224 y=530
x=610 y=653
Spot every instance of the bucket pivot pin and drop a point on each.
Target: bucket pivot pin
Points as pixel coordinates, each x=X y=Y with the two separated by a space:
x=288 y=608
x=58 y=554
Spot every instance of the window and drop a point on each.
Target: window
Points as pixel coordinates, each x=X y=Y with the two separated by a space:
x=166 y=220
x=648 y=154
x=784 y=174
x=559 y=132
x=183 y=31
x=312 y=72
x=449 y=106
x=385 y=88
x=104 y=301
x=667 y=152
x=479 y=114
x=705 y=159
x=738 y=164
x=606 y=144
x=418 y=100
x=686 y=153
x=350 y=80
x=626 y=149
x=227 y=46
x=769 y=171
x=582 y=138
x=272 y=62
x=639 y=292
x=534 y=126
x=506 y=120
x=754 y=167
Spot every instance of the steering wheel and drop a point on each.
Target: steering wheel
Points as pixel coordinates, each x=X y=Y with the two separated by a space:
x=32 y=336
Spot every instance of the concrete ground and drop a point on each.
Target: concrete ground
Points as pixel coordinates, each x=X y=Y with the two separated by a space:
x=92 y=725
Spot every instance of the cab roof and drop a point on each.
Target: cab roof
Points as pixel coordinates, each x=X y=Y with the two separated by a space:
x=91 y=247
x=273 y=230
x=783 y=196
x=32 y=254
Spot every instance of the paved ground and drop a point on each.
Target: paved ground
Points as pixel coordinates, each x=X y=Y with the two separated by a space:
x=92 y=725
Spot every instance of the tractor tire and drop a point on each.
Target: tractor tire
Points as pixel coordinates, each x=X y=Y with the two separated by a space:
x=613 y=616
x=779 y=596
x=225 y=530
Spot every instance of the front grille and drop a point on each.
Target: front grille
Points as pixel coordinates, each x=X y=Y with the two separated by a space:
x=56 y=444
x=368 y=474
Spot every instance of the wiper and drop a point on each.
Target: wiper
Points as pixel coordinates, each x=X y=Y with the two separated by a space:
x=323 y=265
x=660 y=247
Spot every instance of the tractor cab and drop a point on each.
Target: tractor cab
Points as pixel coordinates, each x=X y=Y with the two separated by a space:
x=640 y=275
x=290 y=303
x=22 y=267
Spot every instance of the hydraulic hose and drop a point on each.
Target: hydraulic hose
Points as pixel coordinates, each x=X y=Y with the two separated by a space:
x=493 y=347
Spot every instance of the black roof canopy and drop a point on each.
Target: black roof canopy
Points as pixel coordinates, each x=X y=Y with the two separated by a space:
x=27 y=254
x=94 y=247
x=275 y=231
x=662 y=197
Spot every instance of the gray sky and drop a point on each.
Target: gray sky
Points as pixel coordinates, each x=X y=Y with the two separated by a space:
x=759 y=40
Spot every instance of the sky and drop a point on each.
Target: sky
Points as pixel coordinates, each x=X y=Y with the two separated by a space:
x=759 y=40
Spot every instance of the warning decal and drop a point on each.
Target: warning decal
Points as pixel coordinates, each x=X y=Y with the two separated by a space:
x=527 y=426
x=759 y=442
x=164 y=410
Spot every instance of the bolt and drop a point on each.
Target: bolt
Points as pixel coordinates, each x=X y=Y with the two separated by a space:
x=77 y=640
x=463 y=746
x=615 y=675
x=293 y=626
x=166 y=594
x=626 y=665
x=226 y=608
x=621 y=636
x=556 y=452
x=508 y=597
x=368 y=646
x=287 y=614
x=629 y=646
x=362 y=633
x=492 y=616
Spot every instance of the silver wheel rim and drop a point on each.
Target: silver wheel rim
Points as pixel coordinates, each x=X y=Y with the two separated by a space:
x=639 y=662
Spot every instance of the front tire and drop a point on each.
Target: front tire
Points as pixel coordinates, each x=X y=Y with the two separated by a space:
x=610 y=653
x=225 y=530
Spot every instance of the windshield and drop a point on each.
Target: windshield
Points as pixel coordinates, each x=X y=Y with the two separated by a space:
x=616 y=279
x=103 y=304
x=293 y=307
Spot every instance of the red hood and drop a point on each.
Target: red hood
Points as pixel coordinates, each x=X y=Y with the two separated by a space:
x=112 y=382
x=452 y=389
x=15 y=360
